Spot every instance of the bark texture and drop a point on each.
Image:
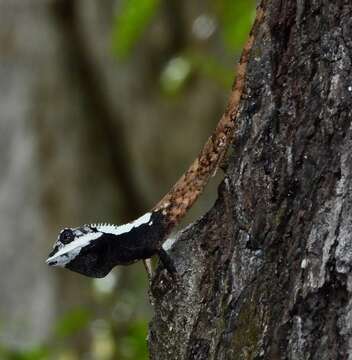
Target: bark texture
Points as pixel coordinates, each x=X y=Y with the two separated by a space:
x=266 y=273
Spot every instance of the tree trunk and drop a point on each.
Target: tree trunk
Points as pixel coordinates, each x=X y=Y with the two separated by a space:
x=266 y=274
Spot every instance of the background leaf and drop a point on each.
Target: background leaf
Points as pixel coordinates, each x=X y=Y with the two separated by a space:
x=38 y=353
x=73 y=321
x=132 y=20
x=236 y=18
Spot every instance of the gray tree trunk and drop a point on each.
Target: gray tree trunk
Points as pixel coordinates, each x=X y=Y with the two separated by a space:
x=266 y=273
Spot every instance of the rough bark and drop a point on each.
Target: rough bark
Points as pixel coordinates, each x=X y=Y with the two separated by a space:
x=266 y=273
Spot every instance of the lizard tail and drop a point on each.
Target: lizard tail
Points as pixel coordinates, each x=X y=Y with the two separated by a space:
x=175 y=204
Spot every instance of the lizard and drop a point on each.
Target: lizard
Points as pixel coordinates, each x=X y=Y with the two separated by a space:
x=93 y=250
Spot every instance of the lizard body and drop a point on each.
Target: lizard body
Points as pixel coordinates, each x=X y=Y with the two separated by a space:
x=93 y=250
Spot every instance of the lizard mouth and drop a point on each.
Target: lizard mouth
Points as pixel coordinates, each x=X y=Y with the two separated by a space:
x=51 y=262
x=53 y=258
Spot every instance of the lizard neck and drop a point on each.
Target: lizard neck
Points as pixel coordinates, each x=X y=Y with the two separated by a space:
x=175 y=204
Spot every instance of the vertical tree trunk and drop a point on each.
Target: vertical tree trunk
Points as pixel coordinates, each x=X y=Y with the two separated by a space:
x=266 y=274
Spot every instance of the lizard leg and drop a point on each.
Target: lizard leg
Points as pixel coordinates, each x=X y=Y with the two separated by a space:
x=167 y=261
x=149 y=269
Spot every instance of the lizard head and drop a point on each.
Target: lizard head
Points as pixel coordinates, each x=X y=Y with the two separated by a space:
x=80 y=250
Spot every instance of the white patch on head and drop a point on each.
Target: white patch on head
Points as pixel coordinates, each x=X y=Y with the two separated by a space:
x=68 y=252
x=118 y=230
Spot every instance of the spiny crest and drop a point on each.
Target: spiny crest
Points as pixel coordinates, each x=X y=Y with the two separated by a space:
x=97 y=225
x=120 y=229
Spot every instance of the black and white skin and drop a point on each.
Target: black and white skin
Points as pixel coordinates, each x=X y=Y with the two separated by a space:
x=93 y=250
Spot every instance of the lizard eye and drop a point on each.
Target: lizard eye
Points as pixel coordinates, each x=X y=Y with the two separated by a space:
x=66 y=236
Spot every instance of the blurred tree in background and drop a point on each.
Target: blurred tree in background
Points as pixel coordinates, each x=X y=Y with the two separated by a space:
x=103 y=105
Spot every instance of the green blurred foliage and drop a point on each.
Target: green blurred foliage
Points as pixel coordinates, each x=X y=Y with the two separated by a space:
x=133 y=345
x=37 y=353
x=72 y=322
x=210 y=67
x=179 y=70
x=132 y=19
x=175 y=75
x=236 y=18
x=129 y=343
x=233 y=17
